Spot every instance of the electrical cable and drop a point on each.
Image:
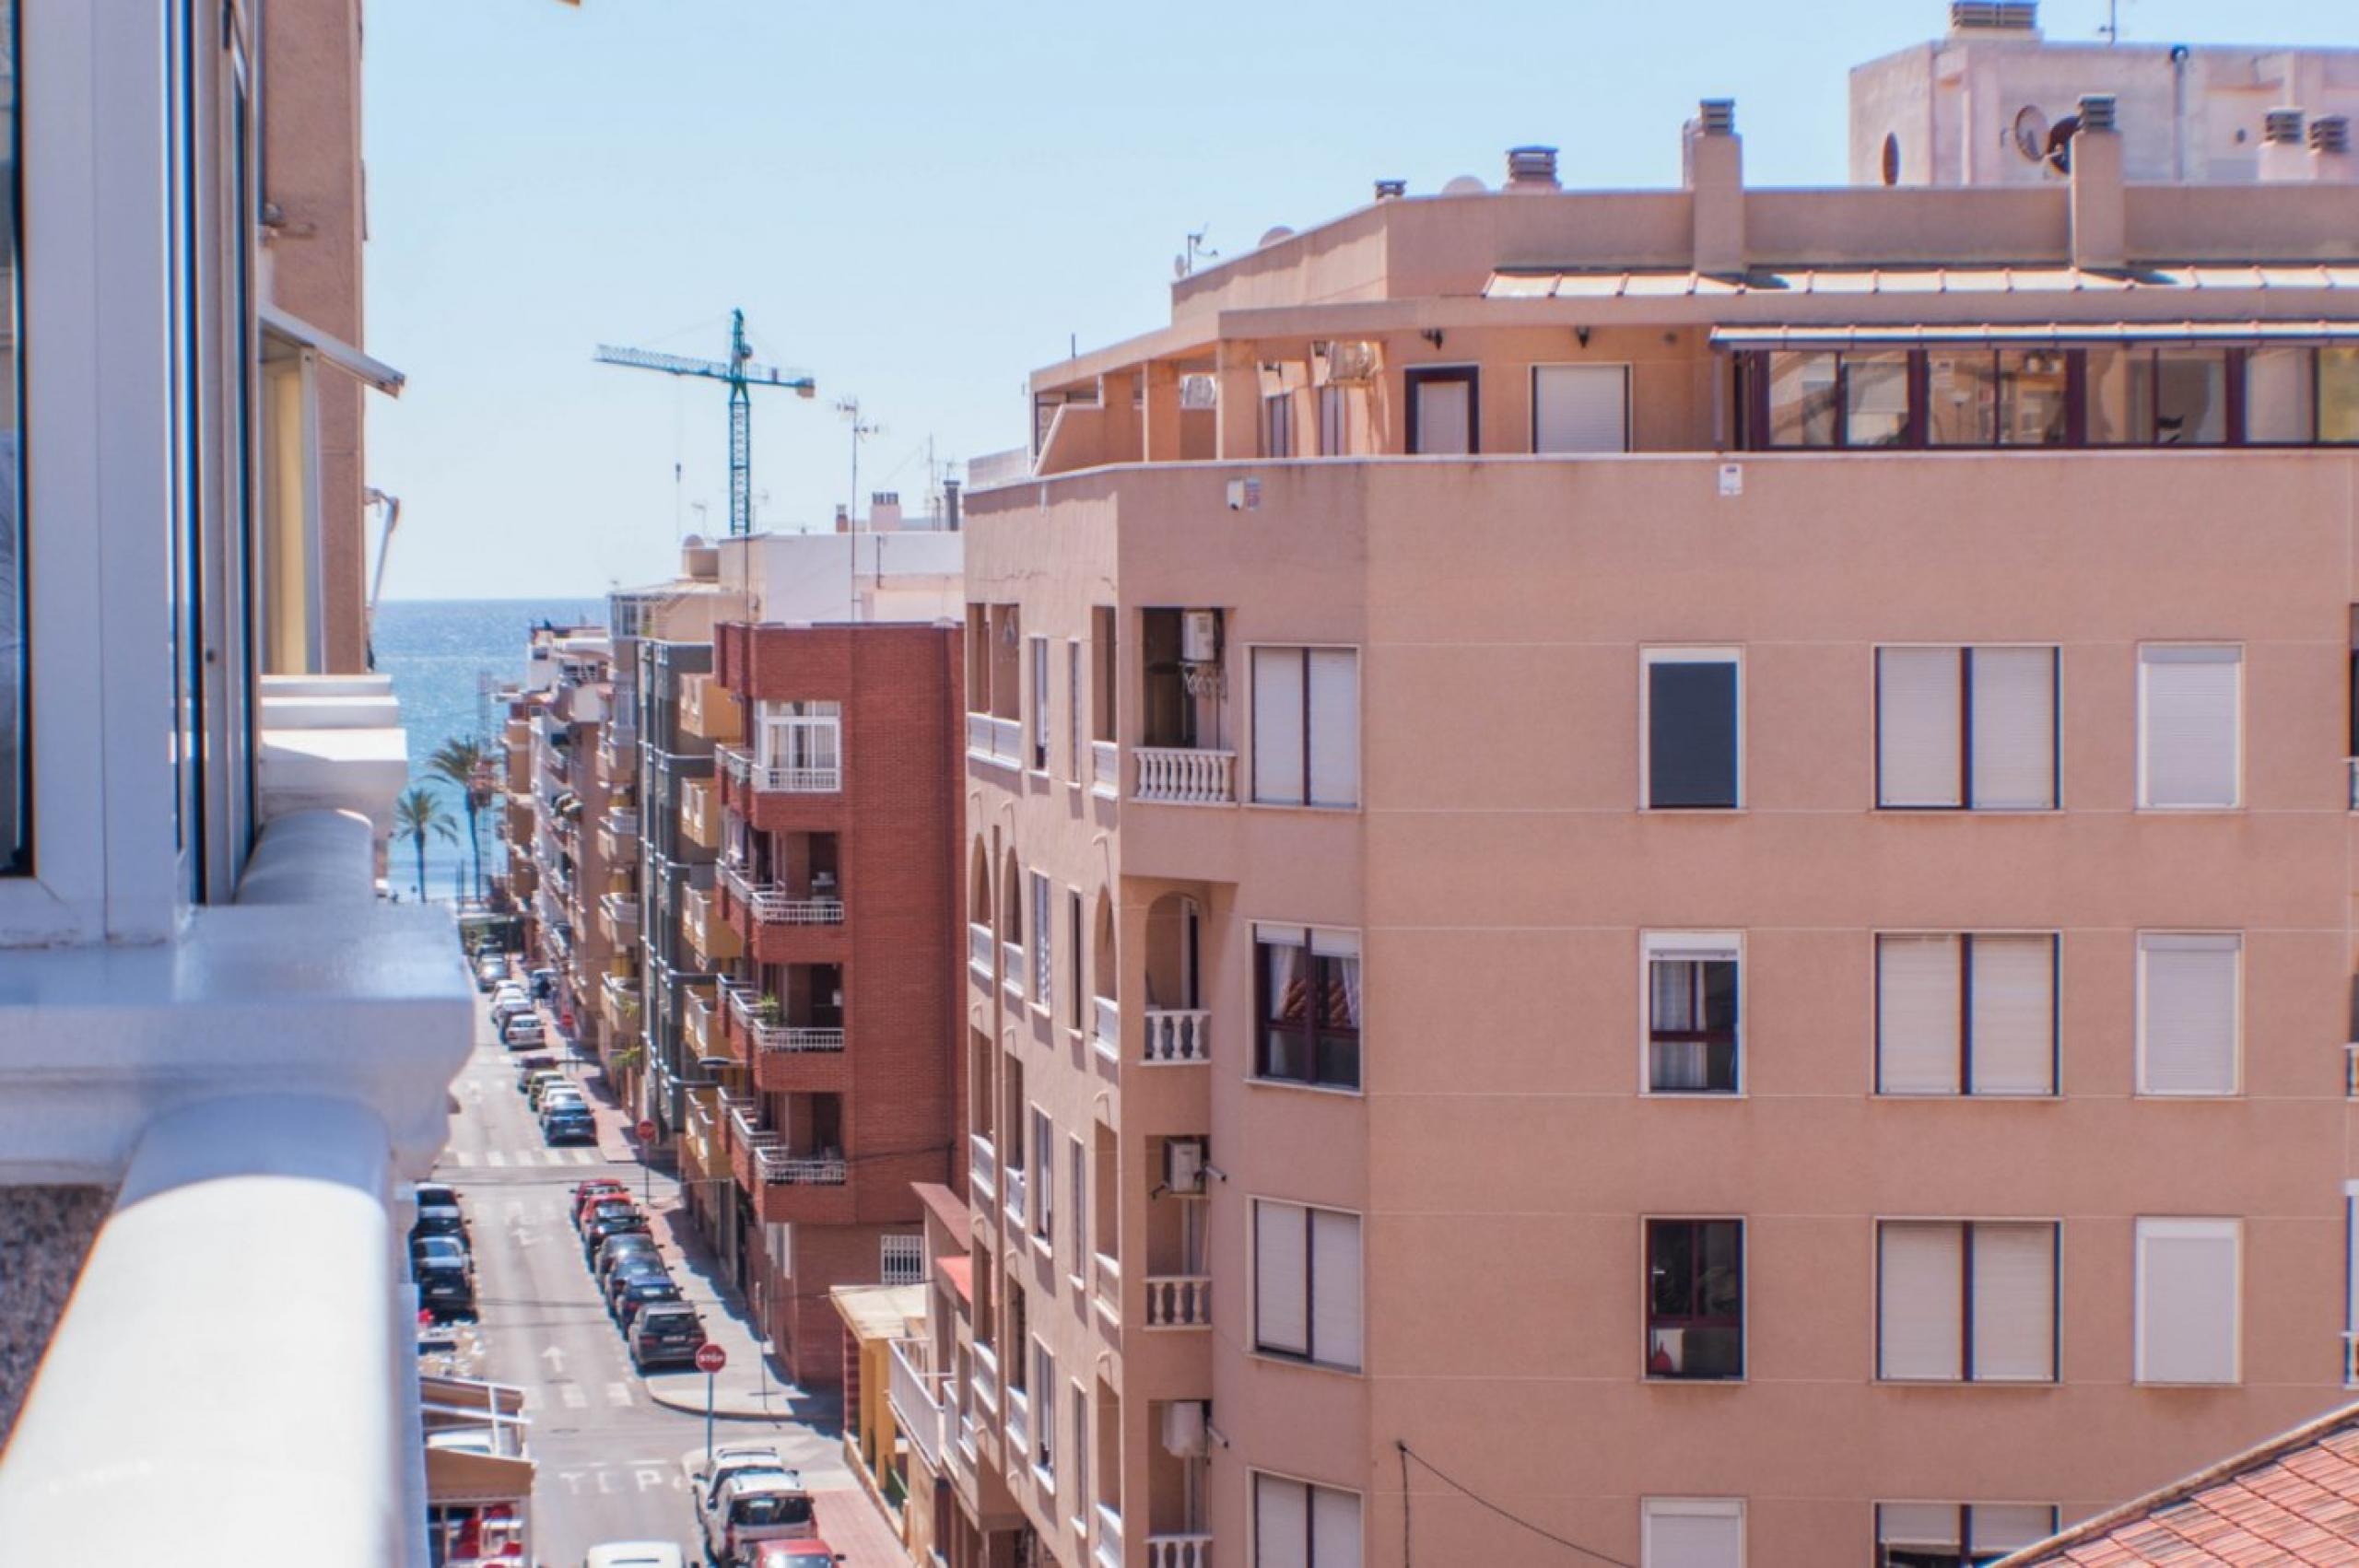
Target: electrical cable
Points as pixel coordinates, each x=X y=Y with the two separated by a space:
x=1408 y=1454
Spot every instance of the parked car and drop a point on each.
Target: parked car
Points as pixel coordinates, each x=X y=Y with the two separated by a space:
x=635 y=1554
x=508 y=995
x=523 y=1032
x=808 y=1553
x=569 y=1124
x=540 y=1083
x=527 y=1066
x=664 y=1334
x=604 y=1256
x=748 y=1507
x=647 y=1269
x=435 y=1194
x=440 y=1219
x=638 y=1292
x=592 y=1190
x=564 y=1092
x=439 y=1248
x=444 y=1288
x=610 y=1218
x=544 y=984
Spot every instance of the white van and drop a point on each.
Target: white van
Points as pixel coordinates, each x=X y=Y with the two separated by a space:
x=635 y=1554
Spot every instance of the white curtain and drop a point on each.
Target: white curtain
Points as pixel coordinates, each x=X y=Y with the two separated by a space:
x=1677 y=1008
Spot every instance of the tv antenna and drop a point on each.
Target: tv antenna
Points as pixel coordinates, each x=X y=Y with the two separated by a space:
x=2111 y=30
x=1197 y=250
x=742 y=374
x=849 y=408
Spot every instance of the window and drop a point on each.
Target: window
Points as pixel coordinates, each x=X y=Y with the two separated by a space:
x=1044 y=963
x=1040 y=705
x=1335 y=423
x=1696 y=1299
x=1307 y=1283
x=1957 y=1534
x=904 y=1260
x=1966 y=728
x=16 y=669
x=1076 y=992
x=1443 y=415
x=1044 y=1176
x=1296 y=1525
x=1077 y=1164
x=1308 y=985
x=1966 y=1015
x=2190 y=748
x=1081 y=1498
x=1966 y=1301
x=1277 y=425
x=1693 y=732
x=1075 y=754
x=1104 y=665
x=1875 y=400
x=1306 y=725
x=1044 y=1429
x=2188 y=1313
x=1691 y=1013
x=1692 y=1532
x=1804 y=390
x=2338 y=395
x=2173 y=397
x=2190 y=1001
x=804 y=740
x=1580 y=408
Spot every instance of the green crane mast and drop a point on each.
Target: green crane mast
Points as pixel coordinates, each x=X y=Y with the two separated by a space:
x=742 y=374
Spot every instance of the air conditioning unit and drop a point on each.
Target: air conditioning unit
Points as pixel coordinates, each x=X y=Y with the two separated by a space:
x=1184 y=1422
x=1200 y=637
x=1353 y=363
x=1183 y=1165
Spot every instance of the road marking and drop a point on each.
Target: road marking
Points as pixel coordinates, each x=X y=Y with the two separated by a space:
x=617 y=1393
x=495 y=1158
x=555 y=1359
x=572 y=1479
x=602 y=1478
x=575 y=1399
x=585 y=1156
x=646 y=1475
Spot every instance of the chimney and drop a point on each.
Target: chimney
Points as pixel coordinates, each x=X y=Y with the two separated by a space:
x=1986 y=17
x=843 y=518
x=1715 y=163
x=2330 y=160
x=1390 y=189
x=1531 y=169
x=2283 y=159
x=884 y=511
x=950 y=494
x=2100 y=219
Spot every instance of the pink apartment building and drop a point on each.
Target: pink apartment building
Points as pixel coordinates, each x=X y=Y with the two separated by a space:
x=1671 y=867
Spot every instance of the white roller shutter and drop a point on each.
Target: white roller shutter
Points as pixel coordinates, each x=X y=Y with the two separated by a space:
x=2188 y=1007
x=2014 y=728
x=2188 y=753
x=1280 y=1522
x=1916 y=1014
x=2014 y=1015
x=1277 y=725
x=1334 y=726
x=1335 y=1288
x=1917 y=742
x=1281 y=1304
x=1445 y=418
x=2014 y=1302
x=1921 y=1526
x=2186 y=1301
x=1919 y=1311
x=1693 y=1533
x=1334 y=1528
x=2009 y=1527
x=1580 y=408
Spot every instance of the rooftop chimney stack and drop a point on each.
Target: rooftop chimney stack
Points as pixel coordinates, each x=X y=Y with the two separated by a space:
x=1390 y=189
x=1531 y=169
x=1715 y=162
x=2330 y=160
x=2100 y=220
x=2283 y=159
x=951 y=489
x=884 y=511
x=1983 y=16
x=843 y=518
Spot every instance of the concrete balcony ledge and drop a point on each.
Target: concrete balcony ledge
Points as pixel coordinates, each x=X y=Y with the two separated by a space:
x=331 y=743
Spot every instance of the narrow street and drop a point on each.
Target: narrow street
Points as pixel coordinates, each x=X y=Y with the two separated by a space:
x=608 y=1455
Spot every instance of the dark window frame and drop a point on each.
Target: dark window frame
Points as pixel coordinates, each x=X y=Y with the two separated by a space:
x=1732 y=659
x=1731 y=1038
x=1416 y=377
x=1311 y=1041
x=1966 y=1556
x=1965 y=802
x=1966 y=1306
x=1309 y=1355
x=1966 y=1090
x=1656 y=1232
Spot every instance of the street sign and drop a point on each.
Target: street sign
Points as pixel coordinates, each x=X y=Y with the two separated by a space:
x=711 y=1358
x=646 y=1130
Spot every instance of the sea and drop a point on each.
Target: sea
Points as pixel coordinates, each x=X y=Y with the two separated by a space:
x=445 y=657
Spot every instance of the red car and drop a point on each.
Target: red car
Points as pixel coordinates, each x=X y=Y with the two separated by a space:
x=597 y=1189
x=808 y=1553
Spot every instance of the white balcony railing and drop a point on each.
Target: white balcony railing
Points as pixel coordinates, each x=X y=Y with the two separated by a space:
x=1106 y=768
x=746 y=1123
x=621 y=913
x=1108 y=1534
x=1179 y=1301
x=985 y=1381
x=734 y=761
x=1185 y=776
x=982 y=1163
x=915 y=1394
x=1107 y=1272
x=1180 y=1551
x=793 y=1037
x=773 y=905
x=2351 y=1360
x=1177 y=1036
x=1108 y=1014
x=1012 y=975
x=1012 y=1185
x=802 y=1170
x=774 y=779
x=979 y=950
x=995 y=740
x=1019 y=1425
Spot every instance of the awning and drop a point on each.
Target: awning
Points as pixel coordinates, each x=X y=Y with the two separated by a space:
x=2036 y=334
x=960 y=1272
x=334 y=350
x=1565 y=283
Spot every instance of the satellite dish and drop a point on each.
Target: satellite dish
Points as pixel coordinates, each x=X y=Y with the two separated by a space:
x=1465 y=185
x=2031 y=133
x=1179 y=266
x=1274 y=236
x=694 y=541
x=2060 y=143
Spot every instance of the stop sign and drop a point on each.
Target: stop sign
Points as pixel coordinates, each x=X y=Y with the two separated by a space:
x=646 y=1130
x=711 y=1358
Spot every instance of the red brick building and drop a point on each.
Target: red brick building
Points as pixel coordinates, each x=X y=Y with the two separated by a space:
x=835 y=1044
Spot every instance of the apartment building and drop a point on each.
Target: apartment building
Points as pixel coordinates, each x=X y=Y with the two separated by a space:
x=221 y=1056
x=827 y=1034
x=1668 y=869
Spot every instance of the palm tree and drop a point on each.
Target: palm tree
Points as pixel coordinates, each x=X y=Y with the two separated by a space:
x=466 y=763
x=417 y=816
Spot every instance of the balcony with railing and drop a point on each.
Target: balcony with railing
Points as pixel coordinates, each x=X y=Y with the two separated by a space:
x=1187 y=1550
x=982 y=1168
x=1011 y=976
x=1185 y=775
x=782 y=1167
x=978 y=951
x=1105 y=767
x=1106 y=1019
x=773 y=904
x=699 y=1008
x=1107 y=1535
x=707 y=709
x=618 y=917
x=1019 y=1422
x=1106 y=1275
x=1179 y=1301
x=735 y=763
x=781 y=778
x=994 y=740
x=1012 y=1188
x=917 y=1396
x=715 y=940
x=619 y=834
x=985 y=1378
x=618 y=751
x=620 y=1003
x=1177 y=1036
x=700 y=813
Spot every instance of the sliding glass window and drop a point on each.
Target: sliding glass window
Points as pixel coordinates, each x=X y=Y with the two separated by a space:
x=16 y=669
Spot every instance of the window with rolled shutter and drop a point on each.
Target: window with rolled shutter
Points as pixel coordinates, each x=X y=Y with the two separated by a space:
x=1306 y=725
x=2188 y=1300
x=1693 y=1532
x=1918 y=1008
x=1969 y=728
x=1296 y=1525
x=1693 y=728
x=2189 y=726
x=2013 y=998
x=1919 y=738
x=1967 y=1014
x=2013 y=1329
x=2189 y=1003
x=1966 y=1301
x=1920 y=1308
x=1281 y=1279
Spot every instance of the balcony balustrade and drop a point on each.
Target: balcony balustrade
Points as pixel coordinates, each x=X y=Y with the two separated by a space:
x=1185 y=776
x=979 y=950
x=982 y=1164
x=985 y=1378
x=735 y=761
x=794 y=1038
x=1108 y=1534
x=1012 y=1185
x=619 y=834
x=787 y=1169
x=699 y=812
x=1107 y=1015
x=915 y=1394
x=1019 y=1426
x=1105 y=767
x=619 y=915
x=1177 y=1036
x=708 y=710
x=1179 y=1301
x=701 y=923
x=1106 y=1274
x=697 y=1009
x=1011 y=970
x=995 y=740
x=1180 y=1551
x=772 y=905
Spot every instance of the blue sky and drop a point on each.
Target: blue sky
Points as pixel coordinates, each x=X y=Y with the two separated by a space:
x=919 y=203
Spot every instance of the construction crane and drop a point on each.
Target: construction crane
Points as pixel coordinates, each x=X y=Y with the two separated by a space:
x=742 y=374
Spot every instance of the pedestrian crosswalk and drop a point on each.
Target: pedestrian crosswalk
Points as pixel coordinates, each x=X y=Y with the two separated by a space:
x=500 y=1159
